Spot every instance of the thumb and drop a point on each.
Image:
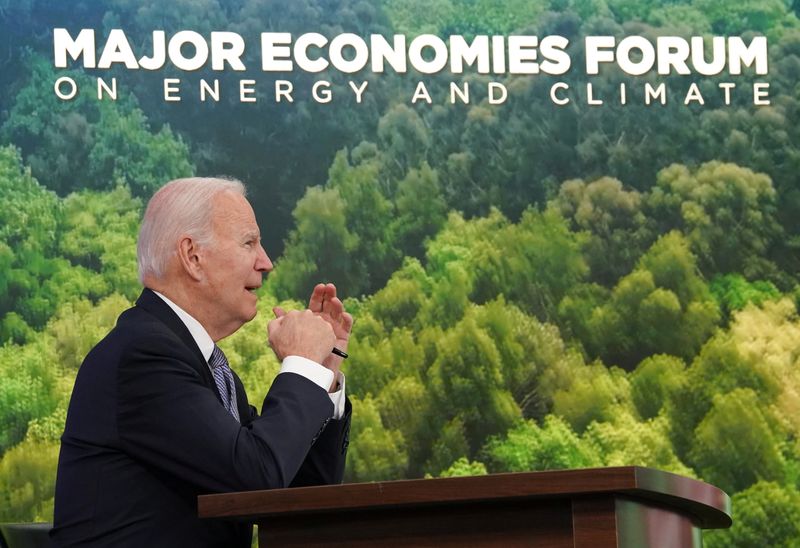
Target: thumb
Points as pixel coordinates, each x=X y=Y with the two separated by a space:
x=278 y=311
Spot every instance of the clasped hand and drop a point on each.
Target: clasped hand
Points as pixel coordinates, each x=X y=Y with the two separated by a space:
x=312 y=333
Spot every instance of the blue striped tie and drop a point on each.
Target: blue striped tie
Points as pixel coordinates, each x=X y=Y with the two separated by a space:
x=223 y=378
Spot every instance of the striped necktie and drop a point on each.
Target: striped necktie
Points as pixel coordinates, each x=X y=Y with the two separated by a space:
x=223 y=378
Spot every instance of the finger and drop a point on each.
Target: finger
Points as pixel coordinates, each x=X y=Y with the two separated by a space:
x=347 y=321
x=315 y=303
x=335 y=309
x=278 y=311
x=330 y=291
x=330 y=294
x=272 y=326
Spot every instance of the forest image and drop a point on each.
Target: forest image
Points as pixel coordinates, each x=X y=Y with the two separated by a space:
x=535 y=286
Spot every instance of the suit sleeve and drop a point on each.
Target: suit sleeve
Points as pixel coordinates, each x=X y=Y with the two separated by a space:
x=325 y=462
x=168 y=419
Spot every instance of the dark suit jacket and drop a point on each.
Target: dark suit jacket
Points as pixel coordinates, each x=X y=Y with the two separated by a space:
x=146 y=433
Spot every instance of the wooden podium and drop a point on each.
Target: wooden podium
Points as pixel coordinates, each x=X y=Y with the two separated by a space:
x=624 y=507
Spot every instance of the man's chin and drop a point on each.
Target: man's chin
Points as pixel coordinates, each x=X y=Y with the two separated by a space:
x=252 y=313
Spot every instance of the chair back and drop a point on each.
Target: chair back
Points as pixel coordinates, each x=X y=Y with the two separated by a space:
x=25 y=535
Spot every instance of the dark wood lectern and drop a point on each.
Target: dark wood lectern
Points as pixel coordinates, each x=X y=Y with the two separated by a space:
x=624 y=507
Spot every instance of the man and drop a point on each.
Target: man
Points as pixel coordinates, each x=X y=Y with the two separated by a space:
x=157 y=417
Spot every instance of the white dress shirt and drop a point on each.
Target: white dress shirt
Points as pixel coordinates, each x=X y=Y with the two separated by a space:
x=316 y=373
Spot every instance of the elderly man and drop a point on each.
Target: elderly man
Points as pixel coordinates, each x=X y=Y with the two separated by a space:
x=157 y=416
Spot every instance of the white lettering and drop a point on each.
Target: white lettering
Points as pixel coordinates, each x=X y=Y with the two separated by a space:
x=73 y=88
x=421 y=93
x=349 y=40
x=82 y=46
x=274 y=53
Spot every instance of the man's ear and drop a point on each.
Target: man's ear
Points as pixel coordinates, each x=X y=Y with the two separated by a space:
x=189 y=258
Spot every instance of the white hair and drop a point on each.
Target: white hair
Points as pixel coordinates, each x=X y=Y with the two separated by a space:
x=181 y=207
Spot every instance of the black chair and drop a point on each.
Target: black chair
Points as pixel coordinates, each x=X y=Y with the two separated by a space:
x=25 y=535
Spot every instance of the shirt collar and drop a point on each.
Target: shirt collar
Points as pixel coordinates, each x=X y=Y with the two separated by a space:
x=199 y=334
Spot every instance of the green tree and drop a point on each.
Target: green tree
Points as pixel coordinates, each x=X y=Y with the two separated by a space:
x=595 y=393
x=685 y=18
x=403 y=138
x=463 y=467
x=414 y=17
x=400 y=301
x=738 y=442
x=126 y=151
x=529 y=447
x=733 y=292
x=99 y=233
x=109 y=143
x=765 y=514
x=625 y=441
x=653 y=381
x=54 y=136
x=727 y=213
x=532 y=263
x=759 y=353
x=749 y=15
x=29 y=389
x=466 y=381
x=80 y=324
x=420 y=211
x=663 y=306
x=449 y=445
x=614 y=218
x=405 y=405
x=29 y=219
x=321 y=242
x=768 y=338
x=368 y=215
x=376 y=453
x=494 y=16
x=27 y=482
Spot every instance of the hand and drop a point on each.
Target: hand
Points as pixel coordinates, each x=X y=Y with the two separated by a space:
x=300 y=333
x=328 y=306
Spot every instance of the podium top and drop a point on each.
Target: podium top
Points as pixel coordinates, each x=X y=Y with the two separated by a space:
x=709 y=505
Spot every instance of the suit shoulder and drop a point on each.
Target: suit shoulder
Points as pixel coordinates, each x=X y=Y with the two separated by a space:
x=137 y=330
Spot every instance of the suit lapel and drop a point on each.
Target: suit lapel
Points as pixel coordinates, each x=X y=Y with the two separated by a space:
x=154 y=305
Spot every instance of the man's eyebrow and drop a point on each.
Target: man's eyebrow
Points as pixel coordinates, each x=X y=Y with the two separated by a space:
x=252 y=235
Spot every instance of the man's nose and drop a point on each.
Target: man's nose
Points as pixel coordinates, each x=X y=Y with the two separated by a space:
x=263 y=264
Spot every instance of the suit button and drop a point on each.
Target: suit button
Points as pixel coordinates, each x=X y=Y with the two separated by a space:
x=346 y=440
x=322 y=428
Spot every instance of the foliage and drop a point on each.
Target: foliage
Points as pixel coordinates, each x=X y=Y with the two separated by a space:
x=727 y=213
x=733 y=292
x=380 y=452
x=737 y=444
x=29 y=218
x=463 y=467
x=662 y=306
x=552 y=446
x=624 y=441
x=82 y=246
x=653 y=381
x=108 y=142
x=27 y=482
x=765 y=514
x=614 y=218
x=465 y=17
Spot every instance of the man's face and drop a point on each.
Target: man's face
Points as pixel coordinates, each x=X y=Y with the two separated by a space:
x=234 y=262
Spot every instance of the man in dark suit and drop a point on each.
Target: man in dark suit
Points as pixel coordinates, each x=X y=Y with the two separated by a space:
x=157 y=417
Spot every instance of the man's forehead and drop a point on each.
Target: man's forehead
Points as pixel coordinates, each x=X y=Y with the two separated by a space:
x=234 y=210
